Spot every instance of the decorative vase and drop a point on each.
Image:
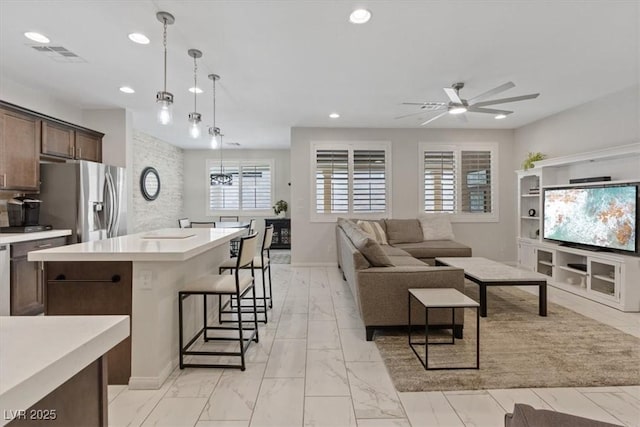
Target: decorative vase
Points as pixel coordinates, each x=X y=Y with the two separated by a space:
x=281 y=214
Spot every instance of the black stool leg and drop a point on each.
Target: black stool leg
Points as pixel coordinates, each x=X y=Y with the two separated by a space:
x=270 y=289
x=242 y=368
x=264 y=295
x=181 y=337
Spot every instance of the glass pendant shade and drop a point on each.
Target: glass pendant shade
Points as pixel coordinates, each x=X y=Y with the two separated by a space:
x=213 y=135
x=194 y=125
x=165 y=111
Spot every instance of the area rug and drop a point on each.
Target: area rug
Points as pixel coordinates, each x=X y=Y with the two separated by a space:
x=518 y=349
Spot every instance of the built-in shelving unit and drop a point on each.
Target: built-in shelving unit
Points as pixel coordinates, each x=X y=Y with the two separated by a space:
x=608 y=278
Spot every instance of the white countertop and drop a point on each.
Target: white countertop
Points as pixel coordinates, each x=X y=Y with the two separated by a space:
x=25 y=237
x=39 y=353
x=169 y=244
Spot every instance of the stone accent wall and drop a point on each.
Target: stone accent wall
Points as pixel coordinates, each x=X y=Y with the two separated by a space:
x=168 y=161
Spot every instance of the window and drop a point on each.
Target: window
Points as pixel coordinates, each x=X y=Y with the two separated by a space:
x=351 y=178
x=250 y=189
x=460 y=179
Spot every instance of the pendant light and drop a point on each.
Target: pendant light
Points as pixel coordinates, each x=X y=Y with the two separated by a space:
x=214 y=131
x=164 y=99
x=194 y=117
x=221 y=178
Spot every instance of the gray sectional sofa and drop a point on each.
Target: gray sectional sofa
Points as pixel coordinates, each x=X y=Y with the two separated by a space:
x=379 y=275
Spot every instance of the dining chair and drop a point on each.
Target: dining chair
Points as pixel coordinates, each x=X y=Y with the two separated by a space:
x=237 y=285
x=233 y=218
x=204 y=224
x=184 y=223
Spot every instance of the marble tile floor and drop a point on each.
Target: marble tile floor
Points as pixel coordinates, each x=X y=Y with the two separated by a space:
x=313 y=367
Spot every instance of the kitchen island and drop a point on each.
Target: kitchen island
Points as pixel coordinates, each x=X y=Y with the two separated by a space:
x=52 y=369
x=137 y=275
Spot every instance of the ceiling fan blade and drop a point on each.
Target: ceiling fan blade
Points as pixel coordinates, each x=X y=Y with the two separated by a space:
x=475 y=109
x=433 y=118
x=409 y=115
x=453 y=95
x=505 y=100
x=462 y=118
x=494 y=91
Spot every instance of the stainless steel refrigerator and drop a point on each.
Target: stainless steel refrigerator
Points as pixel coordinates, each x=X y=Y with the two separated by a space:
x=88 y=198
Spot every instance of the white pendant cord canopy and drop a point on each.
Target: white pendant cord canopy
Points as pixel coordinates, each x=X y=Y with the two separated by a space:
x=194 y=117
x=164 y=99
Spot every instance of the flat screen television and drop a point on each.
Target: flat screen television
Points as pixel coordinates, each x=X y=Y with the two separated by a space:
x=599 y=217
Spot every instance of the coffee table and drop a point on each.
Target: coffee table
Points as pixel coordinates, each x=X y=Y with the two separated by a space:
x=441 y=298
x=485 y=272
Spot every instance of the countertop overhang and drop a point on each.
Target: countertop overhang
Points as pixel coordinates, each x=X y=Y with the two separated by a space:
x=8 y=238
x=40 y=353
x=169 y=244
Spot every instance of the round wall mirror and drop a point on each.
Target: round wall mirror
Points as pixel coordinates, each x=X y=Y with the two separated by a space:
x=150 y=183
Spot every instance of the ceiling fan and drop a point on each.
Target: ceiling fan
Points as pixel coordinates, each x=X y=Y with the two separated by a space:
x=458 y=105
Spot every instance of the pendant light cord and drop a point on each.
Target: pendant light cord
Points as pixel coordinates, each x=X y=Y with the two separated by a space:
x=164 y=41
x=195 y=84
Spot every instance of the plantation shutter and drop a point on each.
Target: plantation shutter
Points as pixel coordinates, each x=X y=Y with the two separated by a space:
x=256 y=186
x=332 y=181
x=476 y=181
x=225 y=197
x=439 y=181
x=369 y=181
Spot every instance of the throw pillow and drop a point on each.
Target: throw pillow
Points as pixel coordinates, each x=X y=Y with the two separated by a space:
x=374 y=230
x=436 y=227
x=403 y=231
x=369 y=248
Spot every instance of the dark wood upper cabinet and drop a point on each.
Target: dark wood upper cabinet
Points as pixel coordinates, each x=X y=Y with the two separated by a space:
x=58 y=140
x=88 y=146
x=19 y=151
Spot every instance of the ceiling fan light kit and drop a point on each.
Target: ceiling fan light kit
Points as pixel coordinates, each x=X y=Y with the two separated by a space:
x=458 y=105
x=164 y=99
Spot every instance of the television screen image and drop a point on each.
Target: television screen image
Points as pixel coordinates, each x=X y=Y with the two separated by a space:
x=595 y=216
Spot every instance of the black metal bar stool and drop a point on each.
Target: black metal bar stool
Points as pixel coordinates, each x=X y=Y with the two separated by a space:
x=236 y=285
x=262 y=262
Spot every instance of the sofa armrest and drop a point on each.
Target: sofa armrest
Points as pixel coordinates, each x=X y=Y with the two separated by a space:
x=383 y=291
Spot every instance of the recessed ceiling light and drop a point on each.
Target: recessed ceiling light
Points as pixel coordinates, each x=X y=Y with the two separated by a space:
x=36 y=37
x=334 y=115
x=360 y=16
x=195 y=90
x=127 y=89
x=500 y=116
x=139 y=38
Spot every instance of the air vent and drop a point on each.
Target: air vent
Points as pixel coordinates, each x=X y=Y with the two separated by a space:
x=58 y=53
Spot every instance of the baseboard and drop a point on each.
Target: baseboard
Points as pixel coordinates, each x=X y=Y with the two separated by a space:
x=153 y=383
x=314 y=264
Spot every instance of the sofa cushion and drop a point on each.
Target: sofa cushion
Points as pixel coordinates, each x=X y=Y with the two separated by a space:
x=435 y=248
x=393 y=251
x=403 y=231
x=436 y=227
x=406 y=261
x=374 y=229
x=371 y=250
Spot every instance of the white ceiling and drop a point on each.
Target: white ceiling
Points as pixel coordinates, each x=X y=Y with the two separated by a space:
x=290 y=62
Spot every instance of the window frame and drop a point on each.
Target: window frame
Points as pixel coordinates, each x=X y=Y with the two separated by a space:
x=457 y=149
x=350 y=146
x=240 y=164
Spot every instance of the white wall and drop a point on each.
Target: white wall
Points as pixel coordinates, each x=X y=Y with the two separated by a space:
x=605 y=122
x=195 y=178
x=314 y=242
x=168 y=161
x=39 y=101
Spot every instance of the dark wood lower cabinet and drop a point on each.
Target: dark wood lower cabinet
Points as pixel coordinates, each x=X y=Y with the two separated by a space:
x=26 y=283
x=79 y=402
x=281 y=232
x=93 y=288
